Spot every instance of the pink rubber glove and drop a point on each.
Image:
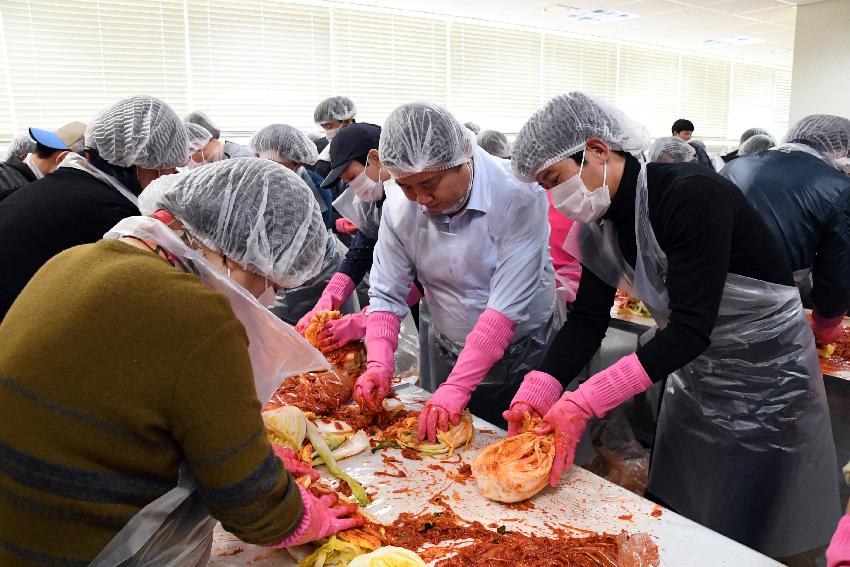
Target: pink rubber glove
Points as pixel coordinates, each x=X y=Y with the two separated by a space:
x=838 y=552
x=295 y=466
x=340 y=332
x=345 y=226
x=382 y=329
x=826 y=330
x=413 y=296
x=335 y=293
x=321 y=519
x=603 y=392
x=537 y=393
x=485 y=346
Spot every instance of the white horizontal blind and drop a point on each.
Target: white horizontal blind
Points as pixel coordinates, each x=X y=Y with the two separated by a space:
x=495 y=75
x=571 y=64
x=648 y=86
x=253 y=62
x=257 y=62
x=67 y=61
x=384 y=60
x=704 y=95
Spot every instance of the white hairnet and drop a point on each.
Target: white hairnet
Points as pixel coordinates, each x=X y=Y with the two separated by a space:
x=670 y=149
x=279 y=142
x=561 y=128
x=257 y=213
x=150 y=199
x=199 y=137
x=20 y=145
x=494 y=143
x=334 y=108
x=422 y=136
x=139 y=130
x=755 y=144
x=473 y=126
x=826 y=133
x=201 y=119
x=750 y=132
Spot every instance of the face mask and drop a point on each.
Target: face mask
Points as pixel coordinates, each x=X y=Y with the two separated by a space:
x=267 y=298
x=330 y=134
x=573 y=200
x=843 y=164
x=368 y=190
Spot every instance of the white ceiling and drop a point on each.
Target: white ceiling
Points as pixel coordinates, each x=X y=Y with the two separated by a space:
x=678 y=24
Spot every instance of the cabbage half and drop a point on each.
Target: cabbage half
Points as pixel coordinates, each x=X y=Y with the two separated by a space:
x=388 y=557
x=514 y=468
x=287 y=425
x=459 y=435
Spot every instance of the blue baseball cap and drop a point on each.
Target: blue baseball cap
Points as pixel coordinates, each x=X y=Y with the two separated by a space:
x=49 y=139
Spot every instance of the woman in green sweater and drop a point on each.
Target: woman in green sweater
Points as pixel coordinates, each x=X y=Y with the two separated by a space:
x=121 y=370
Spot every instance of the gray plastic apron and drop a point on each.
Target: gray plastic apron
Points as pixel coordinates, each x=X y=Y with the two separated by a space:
x=744 y=444
x=438 y=355
x=366 y=216
x=176 y=529
x=292 y=304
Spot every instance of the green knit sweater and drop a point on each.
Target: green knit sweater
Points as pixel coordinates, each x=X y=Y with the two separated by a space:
x=113 y=366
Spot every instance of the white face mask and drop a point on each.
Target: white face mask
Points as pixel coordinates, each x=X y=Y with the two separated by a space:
x=330 y=134
x=573 y=200
x=843 y=164
x=267 y=298
x=368 y=190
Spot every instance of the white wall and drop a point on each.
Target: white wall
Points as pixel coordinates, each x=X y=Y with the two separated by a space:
x=821 y=75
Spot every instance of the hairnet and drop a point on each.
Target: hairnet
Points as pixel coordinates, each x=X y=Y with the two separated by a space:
x=422 y=136
x=473 y=126
x=826 y=133
x=150 y=199
x=20 y=145
x=494 y=143
x=670 y=149
x=201 y=119
x=257 y=213
x=757 y=143
x=561 y=128
x=199 y=136
x=334 y=108
x=750 y=132
x=139 y=130
x=279 y=142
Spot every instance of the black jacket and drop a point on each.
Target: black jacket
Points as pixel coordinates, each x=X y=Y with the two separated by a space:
x=14 y=174
x=707 y=229
x=806 y=204
x=67 y=208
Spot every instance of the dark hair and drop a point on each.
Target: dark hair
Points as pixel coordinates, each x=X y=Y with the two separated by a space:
x=580 y=155
x=44 y=152
x=681 y=124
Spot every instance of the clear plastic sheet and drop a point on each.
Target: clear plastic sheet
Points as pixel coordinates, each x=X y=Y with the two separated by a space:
x=619 y=457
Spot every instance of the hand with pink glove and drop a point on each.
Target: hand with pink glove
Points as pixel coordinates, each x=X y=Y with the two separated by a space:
x=345 y=226
x=335 y=293
x=838 y=552
x=322 y=518
x=339 y=332
x=382 y=329
x=601 y=393
x=485 y=346
x=295 y=466
x=537 y=393
x=827 y=330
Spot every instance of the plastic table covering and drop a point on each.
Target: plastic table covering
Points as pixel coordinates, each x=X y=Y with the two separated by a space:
x=583 y=502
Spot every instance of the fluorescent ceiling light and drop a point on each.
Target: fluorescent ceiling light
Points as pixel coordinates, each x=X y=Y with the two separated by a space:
x=559 y=9
x=600 y=16
x=734 y=40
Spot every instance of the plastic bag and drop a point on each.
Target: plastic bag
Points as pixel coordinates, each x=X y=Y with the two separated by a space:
x=619 y=457
x=407 y=354
x=637 y=550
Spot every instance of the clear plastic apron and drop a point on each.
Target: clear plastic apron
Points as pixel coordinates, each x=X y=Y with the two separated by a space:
x=744 y=444
x=366 y=216
x=175 y=529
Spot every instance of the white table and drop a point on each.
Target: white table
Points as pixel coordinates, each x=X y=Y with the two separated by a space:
x=582 y=500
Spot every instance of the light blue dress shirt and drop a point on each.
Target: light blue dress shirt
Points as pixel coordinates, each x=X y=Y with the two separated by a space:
x=494 y=253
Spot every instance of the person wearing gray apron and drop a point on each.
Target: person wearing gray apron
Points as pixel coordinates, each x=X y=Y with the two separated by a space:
x=477 y=240
x=743 y=444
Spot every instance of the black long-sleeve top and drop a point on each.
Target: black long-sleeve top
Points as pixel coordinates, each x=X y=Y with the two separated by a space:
x=707 y=229
x=358 y=259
